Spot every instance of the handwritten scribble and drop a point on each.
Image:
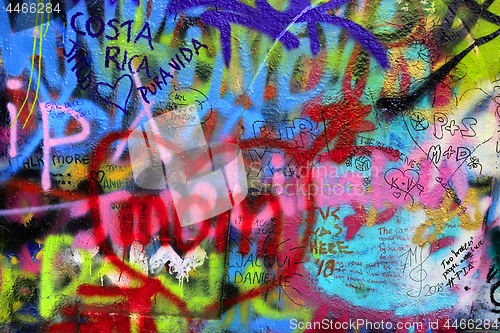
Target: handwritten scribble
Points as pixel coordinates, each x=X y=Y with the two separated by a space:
x=403 y=182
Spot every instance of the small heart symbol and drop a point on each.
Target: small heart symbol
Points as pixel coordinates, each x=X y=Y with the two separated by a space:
x=108 y=91
x=98 y=176
x=396 y=194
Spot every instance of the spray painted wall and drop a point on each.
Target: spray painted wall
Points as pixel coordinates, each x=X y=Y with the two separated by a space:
x=249 y=166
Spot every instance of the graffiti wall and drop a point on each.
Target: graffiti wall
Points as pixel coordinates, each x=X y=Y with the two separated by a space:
x=249 y=165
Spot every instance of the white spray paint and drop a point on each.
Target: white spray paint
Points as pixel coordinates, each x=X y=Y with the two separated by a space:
x=166 y=254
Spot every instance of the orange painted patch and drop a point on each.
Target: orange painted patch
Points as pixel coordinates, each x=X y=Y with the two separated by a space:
x=269 y=92
x=223 y=88
x=73 y=127
x=244 y=100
